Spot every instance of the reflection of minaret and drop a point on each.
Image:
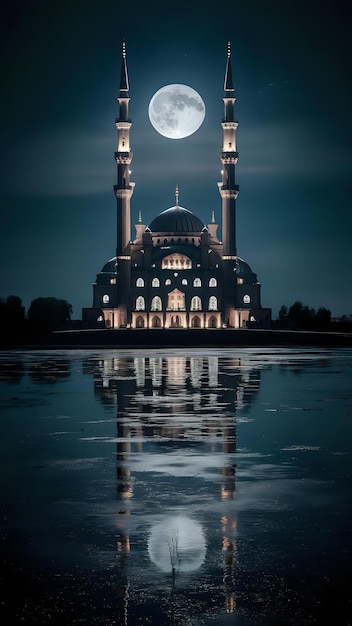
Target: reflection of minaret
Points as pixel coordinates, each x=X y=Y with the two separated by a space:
x=230 y=560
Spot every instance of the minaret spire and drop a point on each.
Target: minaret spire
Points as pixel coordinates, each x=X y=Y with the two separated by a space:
x=228 y=82
x=229 y=156
x=124 y=188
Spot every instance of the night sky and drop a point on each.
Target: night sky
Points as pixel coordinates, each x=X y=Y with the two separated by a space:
x=60 y=76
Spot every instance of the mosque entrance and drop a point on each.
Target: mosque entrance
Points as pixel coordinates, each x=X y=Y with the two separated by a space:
x=156 y=322
x=140 y=322
x=212 y=322
x=175 y=321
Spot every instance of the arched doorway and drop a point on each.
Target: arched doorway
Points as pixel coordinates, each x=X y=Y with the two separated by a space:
x=139 y=322
x=195 y=322
x=156 y=322
x=175 y=321
x=212 y=322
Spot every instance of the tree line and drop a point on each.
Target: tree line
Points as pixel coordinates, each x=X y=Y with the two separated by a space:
x=302 y=317
x=43 y=316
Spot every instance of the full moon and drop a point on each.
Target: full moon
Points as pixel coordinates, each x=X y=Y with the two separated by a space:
x=177 y=543
x=176 y=111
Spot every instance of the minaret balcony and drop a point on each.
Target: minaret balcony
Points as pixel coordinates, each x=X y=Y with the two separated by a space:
x=229 y=157
x=123 y=124
x=229 y=124
x=123 y=158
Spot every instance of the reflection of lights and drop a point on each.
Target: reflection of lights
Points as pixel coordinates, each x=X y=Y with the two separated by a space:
x=177 y=543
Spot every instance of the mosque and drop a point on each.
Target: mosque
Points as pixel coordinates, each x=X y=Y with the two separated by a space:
x=176 y=273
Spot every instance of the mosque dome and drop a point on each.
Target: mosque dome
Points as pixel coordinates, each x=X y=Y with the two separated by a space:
x=110 y=266
x=244 y=271
x=176 y=220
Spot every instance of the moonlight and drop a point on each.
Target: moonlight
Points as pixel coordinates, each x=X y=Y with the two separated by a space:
x=176 y=111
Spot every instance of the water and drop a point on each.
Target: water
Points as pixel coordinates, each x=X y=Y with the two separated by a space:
x=176 y=487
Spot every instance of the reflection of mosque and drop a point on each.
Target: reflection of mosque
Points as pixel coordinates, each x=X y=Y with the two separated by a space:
x=176 y=445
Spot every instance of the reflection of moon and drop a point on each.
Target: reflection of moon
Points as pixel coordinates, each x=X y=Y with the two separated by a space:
x=177 y=542
x=176 y=111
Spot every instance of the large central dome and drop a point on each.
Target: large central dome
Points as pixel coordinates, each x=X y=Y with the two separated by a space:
x=176 y=220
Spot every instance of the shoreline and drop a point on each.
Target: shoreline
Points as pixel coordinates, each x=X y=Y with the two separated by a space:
x=182 y=338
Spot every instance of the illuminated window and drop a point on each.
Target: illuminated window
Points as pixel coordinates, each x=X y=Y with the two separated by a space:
x=176 y=300
x=213 y=282
x=176 y=261
x=156 y=304
x=106 y=299
x=155 y=282
x=197 y=282
x=240 y=281
x=196 y=304
x=184 y=281
x=112 y=281
x=140 y=304
x=139 y=282
x=246 y=299
x=213 y=303
x=100 y=318
x=168 y=281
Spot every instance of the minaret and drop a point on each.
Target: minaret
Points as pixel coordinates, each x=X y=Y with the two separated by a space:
x=123 y=191
x=229 y=156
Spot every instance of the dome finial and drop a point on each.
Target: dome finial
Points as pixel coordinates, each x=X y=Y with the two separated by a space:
x=213 y=217
x=176 y=195
x=139 y=217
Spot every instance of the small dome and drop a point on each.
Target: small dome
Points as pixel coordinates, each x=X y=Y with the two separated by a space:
x=110 y=266
x=244 y=271
x=176 y=220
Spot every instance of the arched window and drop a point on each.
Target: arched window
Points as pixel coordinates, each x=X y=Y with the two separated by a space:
x=184 y=281
x=168 y=281
x=156 y=323
x=140 y=304
x=213 y=282
x=213 y=303
x=195 y=322
x=106 y=299
x=155 y=282
x=196 y=304
x=156 y=304
x=100 y=318
x=140 y=282
x=212 y=322
x=139 y=322
x=246 y=299
x=197 y=282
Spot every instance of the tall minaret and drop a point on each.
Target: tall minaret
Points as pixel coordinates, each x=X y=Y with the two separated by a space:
x=229 y=156
x=123 y=191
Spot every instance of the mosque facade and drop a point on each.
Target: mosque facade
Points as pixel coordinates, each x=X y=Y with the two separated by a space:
x=176 y=273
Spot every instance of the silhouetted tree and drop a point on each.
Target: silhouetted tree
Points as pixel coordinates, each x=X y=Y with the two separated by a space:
x=323 y=318
x=12 y=313
x=49 y=313
x=301 y=317
x=283 y=313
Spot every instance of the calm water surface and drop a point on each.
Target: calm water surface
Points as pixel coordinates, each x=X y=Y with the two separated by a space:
x=176 y=487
